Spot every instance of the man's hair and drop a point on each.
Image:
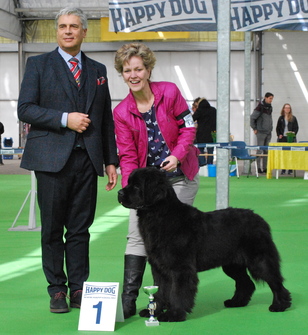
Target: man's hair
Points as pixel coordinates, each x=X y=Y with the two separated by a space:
x=268 y=94
x=73 y=11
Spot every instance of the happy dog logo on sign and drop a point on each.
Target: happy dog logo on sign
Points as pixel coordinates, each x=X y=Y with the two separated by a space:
x=200 y=15
x=100 y=290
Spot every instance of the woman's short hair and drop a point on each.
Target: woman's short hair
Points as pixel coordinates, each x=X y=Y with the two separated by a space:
x=127 y=51
x=73 y=11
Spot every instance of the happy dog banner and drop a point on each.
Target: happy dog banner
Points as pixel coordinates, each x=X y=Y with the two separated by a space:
x=201 y=15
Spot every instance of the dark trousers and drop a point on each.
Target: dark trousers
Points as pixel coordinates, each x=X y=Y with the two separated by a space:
x=1 y=161
x=67 y=201
x=209 y=160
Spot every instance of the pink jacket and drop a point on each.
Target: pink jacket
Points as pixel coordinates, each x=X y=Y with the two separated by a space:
x=132 y=137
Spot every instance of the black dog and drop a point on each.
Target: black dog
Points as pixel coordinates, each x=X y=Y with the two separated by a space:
x=180 y=241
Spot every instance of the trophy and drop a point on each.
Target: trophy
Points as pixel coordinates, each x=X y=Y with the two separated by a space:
x=150 y=290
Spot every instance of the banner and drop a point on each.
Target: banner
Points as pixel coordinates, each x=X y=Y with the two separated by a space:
x=201 y=15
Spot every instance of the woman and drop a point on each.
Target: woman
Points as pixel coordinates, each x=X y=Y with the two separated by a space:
x=194 y=105
x=286 y=123
x=154 y=127
x=205 y=115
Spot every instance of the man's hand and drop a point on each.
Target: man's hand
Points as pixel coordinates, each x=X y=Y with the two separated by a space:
x=78 y=121
x=111 y=172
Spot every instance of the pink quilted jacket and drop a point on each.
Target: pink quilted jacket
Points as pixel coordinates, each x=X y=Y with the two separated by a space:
x=132 y=137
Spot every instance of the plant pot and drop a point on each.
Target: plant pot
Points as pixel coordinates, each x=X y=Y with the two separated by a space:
x=290 y=138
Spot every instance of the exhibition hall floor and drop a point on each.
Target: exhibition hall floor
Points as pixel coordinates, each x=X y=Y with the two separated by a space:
x=24 y=303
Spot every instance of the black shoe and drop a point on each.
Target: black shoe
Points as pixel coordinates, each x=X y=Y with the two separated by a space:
x=75 y=299
x=265 y=170
x=283 y=172
x=290 y=171
x=259 y=170
x=58 y=303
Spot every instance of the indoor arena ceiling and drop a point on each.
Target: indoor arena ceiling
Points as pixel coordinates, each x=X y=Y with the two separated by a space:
x=46 y=9
x=13 y=12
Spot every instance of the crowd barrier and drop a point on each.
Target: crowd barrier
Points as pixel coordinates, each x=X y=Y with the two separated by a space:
x=250 y=147
x=11 y=151
x=222 y=145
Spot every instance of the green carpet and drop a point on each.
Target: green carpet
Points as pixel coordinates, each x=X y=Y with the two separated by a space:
x=24 y=303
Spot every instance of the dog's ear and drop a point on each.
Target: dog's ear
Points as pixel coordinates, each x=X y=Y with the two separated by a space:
x=156 y=188
x=159 y=193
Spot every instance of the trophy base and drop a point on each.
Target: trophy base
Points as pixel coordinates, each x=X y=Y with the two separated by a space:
x=153 y=323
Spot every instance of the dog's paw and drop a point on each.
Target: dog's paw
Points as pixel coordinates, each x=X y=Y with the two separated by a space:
x=169 y=316
x=281 y=302
x=144 y=313
x=235 y=303
x=280 y=307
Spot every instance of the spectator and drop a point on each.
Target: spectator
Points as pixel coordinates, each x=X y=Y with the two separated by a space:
x=286 y=123
x=261 y=121
x=1 y=132
x=205 y=116
x=194 y=105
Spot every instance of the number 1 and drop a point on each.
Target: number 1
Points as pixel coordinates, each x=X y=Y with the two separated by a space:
x=99 y=312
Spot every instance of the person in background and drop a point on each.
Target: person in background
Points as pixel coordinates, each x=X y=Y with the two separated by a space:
x=286 y=123
x=65 y=97
x=261 y=122
x=205 y=116
x=154 y=127
x=1 y=132
x=194 y=105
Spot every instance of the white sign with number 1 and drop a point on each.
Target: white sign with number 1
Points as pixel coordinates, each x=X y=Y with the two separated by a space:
x=101 y=306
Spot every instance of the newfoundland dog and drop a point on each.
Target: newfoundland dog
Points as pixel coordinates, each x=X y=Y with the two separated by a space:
x=180 y=241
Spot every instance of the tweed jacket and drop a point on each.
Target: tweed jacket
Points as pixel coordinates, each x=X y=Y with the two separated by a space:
x=46 y=92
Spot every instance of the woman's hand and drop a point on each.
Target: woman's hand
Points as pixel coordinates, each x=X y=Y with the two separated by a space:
x=169 y=164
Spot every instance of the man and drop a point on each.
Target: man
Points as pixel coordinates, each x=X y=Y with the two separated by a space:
x=261 y=121
x=71 y=137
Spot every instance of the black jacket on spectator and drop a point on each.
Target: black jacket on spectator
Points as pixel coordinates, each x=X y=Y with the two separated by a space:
x=292 y=126
x=205 y=115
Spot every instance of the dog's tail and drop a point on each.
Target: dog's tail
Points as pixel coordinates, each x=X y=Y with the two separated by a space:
x=263 y=257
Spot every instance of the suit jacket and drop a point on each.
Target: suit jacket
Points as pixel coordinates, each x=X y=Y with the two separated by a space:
x=46 y=92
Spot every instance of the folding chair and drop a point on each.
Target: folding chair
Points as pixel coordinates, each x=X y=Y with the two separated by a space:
x=241 y=153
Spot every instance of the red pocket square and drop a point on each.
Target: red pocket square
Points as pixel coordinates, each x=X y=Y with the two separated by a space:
x=100 y=81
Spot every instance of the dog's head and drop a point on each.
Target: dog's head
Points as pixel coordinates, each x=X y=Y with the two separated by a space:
x=146 y=187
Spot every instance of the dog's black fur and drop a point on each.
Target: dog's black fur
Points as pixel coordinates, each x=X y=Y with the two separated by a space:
x=180 y=241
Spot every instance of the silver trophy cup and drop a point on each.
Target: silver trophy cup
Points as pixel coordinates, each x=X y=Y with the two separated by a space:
x=150 y=291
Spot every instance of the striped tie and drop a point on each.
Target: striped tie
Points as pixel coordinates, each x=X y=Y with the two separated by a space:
x=75 y=69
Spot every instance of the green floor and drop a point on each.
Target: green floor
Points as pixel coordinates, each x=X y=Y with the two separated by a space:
x=24 y=303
